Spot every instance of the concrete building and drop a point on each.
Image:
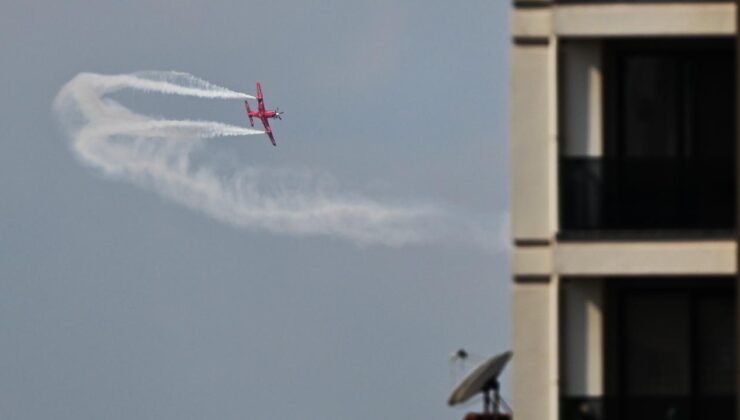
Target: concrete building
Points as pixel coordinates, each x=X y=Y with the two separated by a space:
x=623 y=157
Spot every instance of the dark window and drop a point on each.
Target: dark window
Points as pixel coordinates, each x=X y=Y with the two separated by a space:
x=670 y=349
x=673 y=349
x=669 y=143
x=672 y=103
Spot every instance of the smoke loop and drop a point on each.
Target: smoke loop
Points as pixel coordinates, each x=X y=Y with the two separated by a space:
x=157 y=154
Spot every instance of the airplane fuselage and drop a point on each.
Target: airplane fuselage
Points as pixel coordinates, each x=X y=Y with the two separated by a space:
x=267 y=114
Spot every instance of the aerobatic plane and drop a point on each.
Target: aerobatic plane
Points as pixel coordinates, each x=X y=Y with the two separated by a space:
x=263 y=114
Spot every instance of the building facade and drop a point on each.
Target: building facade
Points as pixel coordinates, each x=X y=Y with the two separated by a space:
x=623 y=157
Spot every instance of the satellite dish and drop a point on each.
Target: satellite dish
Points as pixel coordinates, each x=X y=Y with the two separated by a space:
x=482 y=379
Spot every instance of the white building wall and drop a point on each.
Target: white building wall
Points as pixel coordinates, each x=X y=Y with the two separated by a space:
x=530 y=177
x=644 y=19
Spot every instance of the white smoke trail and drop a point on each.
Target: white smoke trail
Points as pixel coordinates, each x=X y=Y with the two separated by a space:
x=168 y=82
x=158 y=154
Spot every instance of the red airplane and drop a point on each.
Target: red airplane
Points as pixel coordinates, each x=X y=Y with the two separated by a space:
x=263 y=114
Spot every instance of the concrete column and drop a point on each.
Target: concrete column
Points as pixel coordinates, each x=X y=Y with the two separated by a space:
x=581 y=88
x=535 y=345
x=582 y=335
x=737 y=186
x=531 y=163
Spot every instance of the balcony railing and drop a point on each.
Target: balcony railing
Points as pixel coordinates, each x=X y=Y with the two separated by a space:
x=648 y=408
x=646 y=196
x=642 y=1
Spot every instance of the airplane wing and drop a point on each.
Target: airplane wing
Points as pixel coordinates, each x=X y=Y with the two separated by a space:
x=260 y=98
x=246 y=105
x=268 y=131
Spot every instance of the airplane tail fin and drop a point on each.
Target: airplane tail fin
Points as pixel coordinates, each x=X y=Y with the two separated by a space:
x=249 y=110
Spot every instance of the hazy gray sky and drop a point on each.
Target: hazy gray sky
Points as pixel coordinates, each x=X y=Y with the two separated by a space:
x=118 y=303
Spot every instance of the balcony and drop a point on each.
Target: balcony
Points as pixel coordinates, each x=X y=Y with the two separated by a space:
x=646 y=198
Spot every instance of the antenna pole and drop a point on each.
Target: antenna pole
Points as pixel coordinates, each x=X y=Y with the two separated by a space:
x=496 y=398
x=486 y=401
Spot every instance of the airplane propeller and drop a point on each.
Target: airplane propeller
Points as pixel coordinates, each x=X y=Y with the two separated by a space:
x=278 y=113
